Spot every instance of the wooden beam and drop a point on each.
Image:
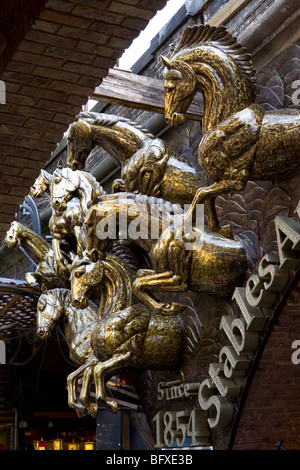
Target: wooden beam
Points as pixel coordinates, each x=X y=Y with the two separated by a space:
x=226 y=12
x=125 y=88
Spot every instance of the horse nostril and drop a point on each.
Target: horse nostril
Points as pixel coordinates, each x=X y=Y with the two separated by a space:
x=41 y=332
x=77 y=302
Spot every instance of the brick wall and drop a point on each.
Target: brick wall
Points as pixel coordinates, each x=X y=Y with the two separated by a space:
x=56 y=59
x=272 y=408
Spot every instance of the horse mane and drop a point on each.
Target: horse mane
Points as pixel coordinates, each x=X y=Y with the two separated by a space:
x=127 y=255
x=196 y=35
x=111 y=120
x=166 y=208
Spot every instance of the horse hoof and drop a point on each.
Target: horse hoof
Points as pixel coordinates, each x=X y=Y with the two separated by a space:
x=171 y=309
x=144 y=272
x=80 y=410
x=112 y=405
x=93 y=409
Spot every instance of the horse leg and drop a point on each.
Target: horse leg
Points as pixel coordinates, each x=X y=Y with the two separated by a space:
x=84 y=397
x=100 y=371
x=213 y=220
x=207 y=196
x=71 y=380
x=78 y=236
x=62 y=270
x=160 y=281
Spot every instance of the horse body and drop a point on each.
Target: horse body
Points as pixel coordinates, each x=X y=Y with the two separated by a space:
x=278 y=149
x=124 y=323
x=241 y=140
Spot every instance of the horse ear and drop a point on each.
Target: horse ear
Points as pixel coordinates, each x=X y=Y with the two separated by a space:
x=60 y=163
x=166 y=62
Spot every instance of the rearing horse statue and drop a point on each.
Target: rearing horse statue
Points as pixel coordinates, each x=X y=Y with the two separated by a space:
x=212 y=264
x=37 y=249
x=149 y=166
x=241 y=140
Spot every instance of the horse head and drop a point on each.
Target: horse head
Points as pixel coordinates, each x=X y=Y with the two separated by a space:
x=85 y=275
x=64 y=184
x=79 y=141
x=210 y=60
x=13 y=239
x=41 y=184
x=180 y=89
x=49 y=310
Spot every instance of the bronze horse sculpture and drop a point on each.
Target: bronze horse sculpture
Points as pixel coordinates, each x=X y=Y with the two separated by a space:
x=122 y=334
x=55 y=306
x=212 y=264
x=128 y=335
x=241 y=140
x=70 y=192
x=39 y=251
x=149 y=166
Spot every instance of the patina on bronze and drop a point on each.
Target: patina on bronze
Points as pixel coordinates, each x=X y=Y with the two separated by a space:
x=148 y=165
x=40 y=252
x=121 y=334
x=215 y=266
x=241 y=140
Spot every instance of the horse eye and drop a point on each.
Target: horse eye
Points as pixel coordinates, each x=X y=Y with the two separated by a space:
x=169 y=86
x=79 y=273
x=42 y=305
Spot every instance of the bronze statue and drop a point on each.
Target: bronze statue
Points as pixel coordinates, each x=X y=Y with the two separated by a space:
x=113 y=320
x=39 y=251
x=54 y=306
x=71 y=192
x=122 y=334
x=215 y=266
x=241 y=140
x=128 y=334
x=67 y=184
x=148 y=164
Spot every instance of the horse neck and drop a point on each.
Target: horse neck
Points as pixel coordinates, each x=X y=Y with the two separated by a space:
x=89 y=191
x=34 y=242
x=226 y=90
x=120 y=140
x=117 y=287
